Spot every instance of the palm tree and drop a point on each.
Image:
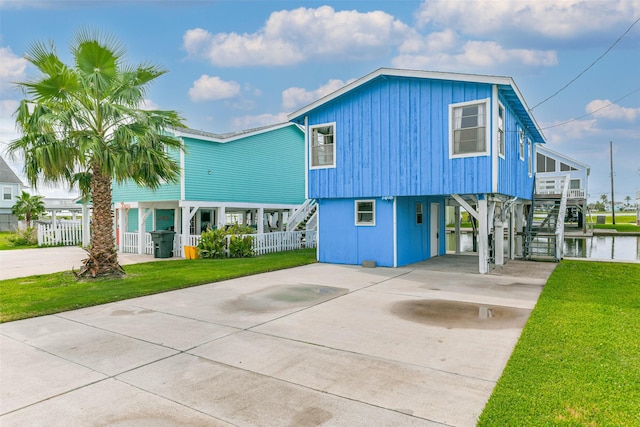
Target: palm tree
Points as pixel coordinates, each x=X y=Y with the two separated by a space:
x=84 y=125
x=28 y=207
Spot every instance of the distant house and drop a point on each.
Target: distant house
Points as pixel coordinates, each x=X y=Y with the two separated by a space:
x=255 y=177
x=388 y=152
x=552 y=168
x=11 y=187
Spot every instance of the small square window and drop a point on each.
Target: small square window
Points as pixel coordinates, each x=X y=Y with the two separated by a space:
x=365 y=212
x=418 y=213
x=322 y=146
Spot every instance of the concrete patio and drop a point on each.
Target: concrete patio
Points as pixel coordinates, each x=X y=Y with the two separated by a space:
x=314 y=345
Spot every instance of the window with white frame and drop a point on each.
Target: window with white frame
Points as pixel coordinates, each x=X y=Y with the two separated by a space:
x=529 y=157
x=365 y=212
x=322 y=147
x=521 y=143
x=418 y=213
x=7 y=193
x=468 y=129
x=501 y=148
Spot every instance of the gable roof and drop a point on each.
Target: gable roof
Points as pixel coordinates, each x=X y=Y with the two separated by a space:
x=7 y=175
x=231 y=136
x=506 y=87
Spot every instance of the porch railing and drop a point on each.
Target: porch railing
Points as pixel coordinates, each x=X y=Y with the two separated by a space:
x=555 y=185
x=263 y=243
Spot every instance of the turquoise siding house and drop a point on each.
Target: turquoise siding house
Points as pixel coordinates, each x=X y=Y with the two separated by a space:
x=254 y=177
x=388 y=152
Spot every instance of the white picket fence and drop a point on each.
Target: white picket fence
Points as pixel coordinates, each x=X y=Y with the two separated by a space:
x=64 y=234
x=262 y=243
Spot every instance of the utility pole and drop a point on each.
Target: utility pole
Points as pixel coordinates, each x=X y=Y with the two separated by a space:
x=613 y=205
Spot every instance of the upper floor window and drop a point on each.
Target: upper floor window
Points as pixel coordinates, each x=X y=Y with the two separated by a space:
x=322 y=147
x=365 y=212
x=529 y=158
x=7 y=193
x=468 y=129
x=566 y=168
x=545 y=163
x=521 y=143
x=501 y=149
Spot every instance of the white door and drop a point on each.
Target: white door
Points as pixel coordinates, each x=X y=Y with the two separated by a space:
x=434 y=227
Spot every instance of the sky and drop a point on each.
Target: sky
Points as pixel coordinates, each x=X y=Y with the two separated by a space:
x=236 y=65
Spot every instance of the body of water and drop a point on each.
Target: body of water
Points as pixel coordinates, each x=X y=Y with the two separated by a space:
x=596 y=247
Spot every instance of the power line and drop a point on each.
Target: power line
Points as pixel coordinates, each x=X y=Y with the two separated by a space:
x=593 y=112
x=586 y=69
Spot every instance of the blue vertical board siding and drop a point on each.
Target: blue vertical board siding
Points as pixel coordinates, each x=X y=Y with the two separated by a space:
x=513 y=173
x=263 y=168
x=342 y=242
x=392 y=138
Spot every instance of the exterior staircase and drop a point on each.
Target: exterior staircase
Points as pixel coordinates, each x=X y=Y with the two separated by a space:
x=305 y=217
x=544 y=237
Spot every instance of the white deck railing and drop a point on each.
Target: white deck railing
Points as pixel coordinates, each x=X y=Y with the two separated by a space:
x=264 y=243
x=555 y=185
x=64 y=234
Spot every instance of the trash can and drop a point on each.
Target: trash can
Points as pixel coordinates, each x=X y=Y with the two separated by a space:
x=600 y=219
x=162 y=243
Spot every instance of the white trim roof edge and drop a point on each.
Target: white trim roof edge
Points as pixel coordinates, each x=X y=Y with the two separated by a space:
x=233 y=136
x=564 y=156
x=438 y=75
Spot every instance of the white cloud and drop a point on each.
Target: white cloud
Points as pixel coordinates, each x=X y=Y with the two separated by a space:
x=248 y=122
x=293 y=36
x=295 y=97
x=556 y=19
x=472 y=56
x=605 y=109
x=148 y=104
x=12 y=68
x=208 y=88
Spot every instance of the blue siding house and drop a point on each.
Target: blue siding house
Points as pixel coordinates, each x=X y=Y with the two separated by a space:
x=254 y=177
x=387 y=153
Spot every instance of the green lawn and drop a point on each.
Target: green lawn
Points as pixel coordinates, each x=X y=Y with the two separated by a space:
x=577 y=362
x=5 y=244
x=52 y=293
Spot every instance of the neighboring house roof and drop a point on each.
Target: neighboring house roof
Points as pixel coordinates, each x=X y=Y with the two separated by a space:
x=544 y=149
x=228 y=137
x=506 y=86
x=7 y=175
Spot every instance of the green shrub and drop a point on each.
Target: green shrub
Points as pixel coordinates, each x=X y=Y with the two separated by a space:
x=241 y=246
x=213 y=244
x=24 y=237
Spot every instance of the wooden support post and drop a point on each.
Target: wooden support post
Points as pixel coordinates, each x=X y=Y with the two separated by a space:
x=519 y=220
x=260 y=221
x=483 y=235
x=457 y=229
x=121 y=229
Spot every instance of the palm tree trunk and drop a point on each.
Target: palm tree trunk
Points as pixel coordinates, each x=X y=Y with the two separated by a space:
x=103 y=257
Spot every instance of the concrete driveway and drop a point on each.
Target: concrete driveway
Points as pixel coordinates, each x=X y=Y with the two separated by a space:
x=315 y=345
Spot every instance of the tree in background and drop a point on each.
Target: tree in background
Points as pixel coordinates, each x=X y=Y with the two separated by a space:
x=28 y=207
x=83 y=125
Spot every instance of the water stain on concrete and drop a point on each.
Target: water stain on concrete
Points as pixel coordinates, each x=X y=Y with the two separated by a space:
x=284 y=296
x=458 y=314
x=312 y=416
